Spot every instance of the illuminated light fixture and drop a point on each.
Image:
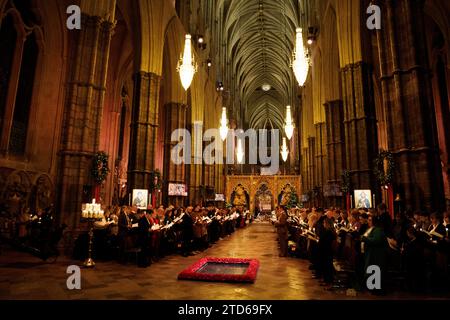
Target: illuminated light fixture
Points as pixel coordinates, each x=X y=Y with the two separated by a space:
x=209 y=63
x=289 y=125
x=284 y=150
x=223 y=125
x=239 y=152
x=266 y=87
x=300 y=62
x=310 y=40
x=186 y=66
x=200 y=39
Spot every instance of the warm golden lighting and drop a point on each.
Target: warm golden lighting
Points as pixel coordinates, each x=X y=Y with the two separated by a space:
x=224 y=124
x=186 y=66
x=239 y=152
x=289 y=125
x=284 y=150
x=300 y=63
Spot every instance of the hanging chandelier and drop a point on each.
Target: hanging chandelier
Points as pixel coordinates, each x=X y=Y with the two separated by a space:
x=284 y=150
x=239 y=152
x=223 y=124
x=301 y=61
x=289 y=125
x=186 y=66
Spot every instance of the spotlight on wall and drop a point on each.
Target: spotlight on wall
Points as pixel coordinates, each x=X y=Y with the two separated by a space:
x=209 y=63
x=200 y=40
x=312 y=35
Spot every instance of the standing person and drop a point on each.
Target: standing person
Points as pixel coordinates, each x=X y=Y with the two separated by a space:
x=282 y=230
x=327 y=237
x=123 y=233
x=374 y=247
x=187 y=232
x=144 y=240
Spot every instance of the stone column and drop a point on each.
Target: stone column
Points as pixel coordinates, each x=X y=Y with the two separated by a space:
x=406 y=89
x=311 y=162
x=196 y=166
x=175 y=118
x=144 y=125
x=360 y=123
x=321 y=154
x=305 y=166
x=82 y=115
x=335 y=140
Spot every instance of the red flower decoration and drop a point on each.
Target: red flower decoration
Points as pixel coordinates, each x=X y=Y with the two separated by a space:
x=192 y=273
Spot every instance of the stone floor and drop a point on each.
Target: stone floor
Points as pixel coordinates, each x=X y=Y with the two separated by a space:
x=24 y=277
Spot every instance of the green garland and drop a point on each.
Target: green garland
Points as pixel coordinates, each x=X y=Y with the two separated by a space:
x=158 y=185
x=100 y=168
x=384 y=178
x=346 y=181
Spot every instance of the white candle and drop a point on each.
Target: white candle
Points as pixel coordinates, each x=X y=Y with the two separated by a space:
x=373 y=201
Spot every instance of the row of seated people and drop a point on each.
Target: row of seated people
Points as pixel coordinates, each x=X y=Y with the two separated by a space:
x=412 y=250
x=153 y=233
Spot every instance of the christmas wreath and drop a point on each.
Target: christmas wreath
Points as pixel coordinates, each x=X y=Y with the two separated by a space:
x=346 y=181
x=156 y=180
x=100 y=168
x=382 y=176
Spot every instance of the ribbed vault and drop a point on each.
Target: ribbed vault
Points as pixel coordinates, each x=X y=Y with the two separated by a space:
x=259 y=39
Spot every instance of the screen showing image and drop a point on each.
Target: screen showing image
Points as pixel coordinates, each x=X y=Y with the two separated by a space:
x=140 y=198
x=363 y=199
x=176 y=189
x=220 y=197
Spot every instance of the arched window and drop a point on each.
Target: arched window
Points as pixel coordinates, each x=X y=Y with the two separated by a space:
x=19 y=128
x=19 y=52
x=8 y=39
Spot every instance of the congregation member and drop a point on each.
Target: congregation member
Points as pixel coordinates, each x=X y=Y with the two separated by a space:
x=282 y=230
x=413 y=247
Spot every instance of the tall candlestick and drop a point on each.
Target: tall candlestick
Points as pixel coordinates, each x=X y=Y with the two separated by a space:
x=373 y=201
x=129 y=199
x=351 y=202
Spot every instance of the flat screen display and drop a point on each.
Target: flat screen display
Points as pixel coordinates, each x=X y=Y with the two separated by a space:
x=177 y=190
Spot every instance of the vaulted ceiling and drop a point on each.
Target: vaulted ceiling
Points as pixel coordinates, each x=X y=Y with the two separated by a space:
x=257 y=44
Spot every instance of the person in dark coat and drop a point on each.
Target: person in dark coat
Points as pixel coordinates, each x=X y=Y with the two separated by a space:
x=188 y=232
x=144 y=239
x=327 y=237
x=375 y=248
x=414 y=261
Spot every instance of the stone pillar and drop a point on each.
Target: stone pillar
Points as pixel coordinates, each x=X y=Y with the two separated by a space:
x=144 y=125
x=175 y=118
x=360 y=124
x=196 y=166
x=335 y=140
x=406 y=89
x=305 y=171
x=311 y=162
x=321 y=154
x=82 y=115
